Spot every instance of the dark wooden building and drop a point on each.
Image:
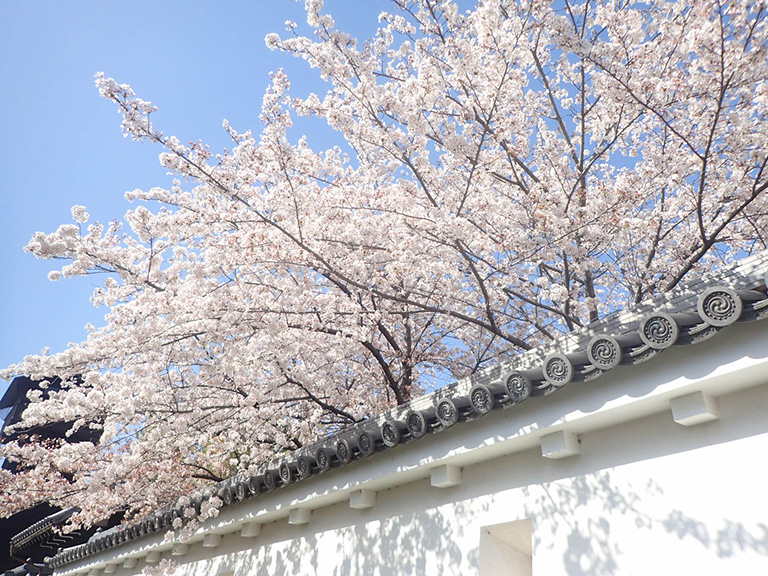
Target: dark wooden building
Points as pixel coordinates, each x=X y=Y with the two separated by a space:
x=29 y=536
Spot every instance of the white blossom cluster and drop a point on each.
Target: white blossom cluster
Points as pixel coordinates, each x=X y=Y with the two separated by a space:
x=509 y=174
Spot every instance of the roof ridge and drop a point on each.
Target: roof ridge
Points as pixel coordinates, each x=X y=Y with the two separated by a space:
x=689 y=314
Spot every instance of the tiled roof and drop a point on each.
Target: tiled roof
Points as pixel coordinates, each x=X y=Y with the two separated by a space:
x=40 y=530
x=688 y=315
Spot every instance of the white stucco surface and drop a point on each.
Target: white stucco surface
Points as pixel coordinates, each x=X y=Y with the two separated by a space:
x=645 y=495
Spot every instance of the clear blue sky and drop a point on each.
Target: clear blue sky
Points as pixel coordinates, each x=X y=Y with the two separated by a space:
x=198 y=61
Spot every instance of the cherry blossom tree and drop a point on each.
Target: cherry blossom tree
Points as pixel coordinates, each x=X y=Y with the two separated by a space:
x=503 y=176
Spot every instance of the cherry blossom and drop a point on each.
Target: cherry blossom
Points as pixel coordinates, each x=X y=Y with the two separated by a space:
x=503 y=176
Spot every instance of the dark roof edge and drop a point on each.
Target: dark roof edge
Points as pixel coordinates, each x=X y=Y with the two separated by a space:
x=39 y=529
x=687 y=315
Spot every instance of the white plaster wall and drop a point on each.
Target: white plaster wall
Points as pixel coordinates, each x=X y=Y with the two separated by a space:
x=645 y=497
x=499 y=559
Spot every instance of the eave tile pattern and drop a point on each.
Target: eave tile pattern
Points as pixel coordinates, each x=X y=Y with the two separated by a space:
x=686 y=316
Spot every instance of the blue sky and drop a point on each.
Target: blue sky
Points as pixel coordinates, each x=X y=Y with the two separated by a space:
x=198 y=61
